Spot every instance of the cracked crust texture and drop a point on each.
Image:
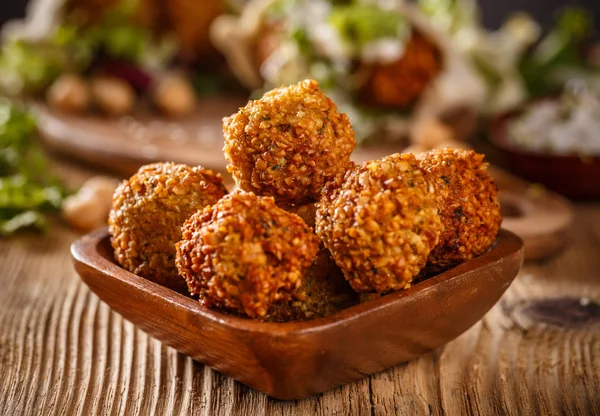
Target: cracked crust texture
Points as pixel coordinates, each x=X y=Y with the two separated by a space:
x=380 y=223
x=244 y=253
x=148 y=211
x=307 y=212
x=468 y=200
x=324 y=291
x=288 y=144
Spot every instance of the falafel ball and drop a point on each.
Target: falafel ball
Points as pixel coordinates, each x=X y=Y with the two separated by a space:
x=469 y=207
x=244 y=253
x=380 y=223
x=288 y=144
x=400 y=84
x=190 y=21
x=324 y=291
x=148 y=211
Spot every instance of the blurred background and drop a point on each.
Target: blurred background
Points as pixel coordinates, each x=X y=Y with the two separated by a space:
x=91 y=90
x=494 y=12
x=116 y=84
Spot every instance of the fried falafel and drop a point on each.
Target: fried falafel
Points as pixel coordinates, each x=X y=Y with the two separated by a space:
x=469 y=207
x=148 y=211
x=307 y=212
x=324 y=291
x=380 y=223
x=244 y=253
x=399 y=84
x=288 y=144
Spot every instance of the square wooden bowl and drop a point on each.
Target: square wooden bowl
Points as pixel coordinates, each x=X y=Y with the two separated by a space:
x=296 y=359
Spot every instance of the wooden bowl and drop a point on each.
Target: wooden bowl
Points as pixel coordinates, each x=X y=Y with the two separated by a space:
x=570 y=175
x=296 y=359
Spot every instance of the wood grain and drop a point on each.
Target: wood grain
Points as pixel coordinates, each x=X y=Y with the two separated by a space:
x=297 y=359
x=540 y=217
x=62 y=351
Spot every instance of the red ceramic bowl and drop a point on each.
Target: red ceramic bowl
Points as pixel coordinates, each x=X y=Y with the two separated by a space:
x=570 y=175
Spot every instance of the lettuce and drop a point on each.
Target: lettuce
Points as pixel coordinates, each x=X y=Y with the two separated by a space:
x=360 y=24
x=27 y=191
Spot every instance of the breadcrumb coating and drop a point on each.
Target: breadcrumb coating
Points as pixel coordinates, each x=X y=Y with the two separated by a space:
x=148 y=211
x=307 y=212
x=380 y=223
x=468 y=200
x=244 y=253
x=288 y=144
x=324 y=291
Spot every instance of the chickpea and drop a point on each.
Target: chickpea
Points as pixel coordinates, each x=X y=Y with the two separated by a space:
x=112 y=95
x=174 y=95
x=69 y=93
x=88 y=209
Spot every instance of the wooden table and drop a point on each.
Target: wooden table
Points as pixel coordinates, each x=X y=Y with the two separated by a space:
x=62 y=351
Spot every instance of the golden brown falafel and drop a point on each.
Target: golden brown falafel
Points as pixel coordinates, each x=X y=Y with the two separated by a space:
x=190 y=21
x=307 y=212
x=244 y=253
x=288 y=144
x=380 y=223
x=401 y=83
x=324 y=291
x=148 y=211
x=469 y=207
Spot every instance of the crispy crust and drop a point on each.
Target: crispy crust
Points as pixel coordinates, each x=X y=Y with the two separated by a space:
x=307 y=212
x=324 y=291
x=288 y=144
x=148 y=211
x=244 y=253
x=380 y=223
x=469 y=206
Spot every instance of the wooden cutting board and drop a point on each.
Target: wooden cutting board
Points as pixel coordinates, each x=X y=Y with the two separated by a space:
x=540 y=217
x=123 y=144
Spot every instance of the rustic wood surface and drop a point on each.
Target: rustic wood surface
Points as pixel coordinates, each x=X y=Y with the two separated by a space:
x=62 y=351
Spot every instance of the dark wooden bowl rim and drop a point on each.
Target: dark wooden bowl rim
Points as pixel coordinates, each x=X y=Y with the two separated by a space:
x=92 y=249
